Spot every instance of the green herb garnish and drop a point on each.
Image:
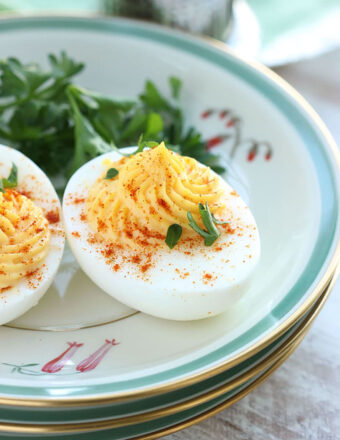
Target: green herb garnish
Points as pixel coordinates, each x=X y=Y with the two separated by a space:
x=144 y=144
x=173 y=235
x=176 y=85
x=217 y=221
x=211 y=234
x=11 y=181
x=111 y=173
x=60 y=125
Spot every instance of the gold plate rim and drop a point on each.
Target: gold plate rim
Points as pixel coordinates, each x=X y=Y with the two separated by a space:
x=276 y=358
x=220 y=407
x=271 y=336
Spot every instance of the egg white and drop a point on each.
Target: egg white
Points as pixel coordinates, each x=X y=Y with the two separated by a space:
x=31 y=179
x=165 y=293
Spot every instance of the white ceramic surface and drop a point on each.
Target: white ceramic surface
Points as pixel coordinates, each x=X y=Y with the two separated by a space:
x=283 y=194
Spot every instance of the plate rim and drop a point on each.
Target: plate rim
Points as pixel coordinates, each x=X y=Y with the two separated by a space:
x=329 y=149
x=276 y=358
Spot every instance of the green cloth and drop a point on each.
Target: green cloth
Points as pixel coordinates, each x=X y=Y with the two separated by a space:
x=280 y=23
x=276 y=17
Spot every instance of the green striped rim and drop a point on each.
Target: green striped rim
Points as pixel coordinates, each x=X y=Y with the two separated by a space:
x=316 y=146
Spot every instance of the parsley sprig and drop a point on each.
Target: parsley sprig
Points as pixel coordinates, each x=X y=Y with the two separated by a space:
x=210 y=234
x=11 y=181
x=61 y=125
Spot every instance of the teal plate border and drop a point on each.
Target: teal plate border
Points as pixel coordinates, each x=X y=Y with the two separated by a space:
x=319 y=146
x=142 y=406
x=135 y=431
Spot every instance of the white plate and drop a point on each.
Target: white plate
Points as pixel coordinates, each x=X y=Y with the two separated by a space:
x=293 y=196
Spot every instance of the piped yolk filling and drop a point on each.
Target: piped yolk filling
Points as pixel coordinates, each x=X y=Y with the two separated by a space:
x=153 y=190
x=24 y=237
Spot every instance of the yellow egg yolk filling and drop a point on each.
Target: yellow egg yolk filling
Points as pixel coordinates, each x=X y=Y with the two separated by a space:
x=24 y=237
x=153 y=190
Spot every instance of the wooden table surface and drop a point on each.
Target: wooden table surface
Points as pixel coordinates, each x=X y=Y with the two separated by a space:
x=301 y=400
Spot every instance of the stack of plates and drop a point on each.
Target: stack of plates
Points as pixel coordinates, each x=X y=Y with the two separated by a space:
x=80 y=362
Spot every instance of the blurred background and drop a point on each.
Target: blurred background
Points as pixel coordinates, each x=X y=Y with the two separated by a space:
x=300 y=40
x=275 y=32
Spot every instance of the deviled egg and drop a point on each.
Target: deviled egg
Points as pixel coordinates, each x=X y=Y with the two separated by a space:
x=161 y=233
x=31 y=234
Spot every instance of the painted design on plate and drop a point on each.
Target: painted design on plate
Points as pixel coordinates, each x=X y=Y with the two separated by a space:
x=60 y=361
x=64 y=360
x=232 y=123
x=95 y=358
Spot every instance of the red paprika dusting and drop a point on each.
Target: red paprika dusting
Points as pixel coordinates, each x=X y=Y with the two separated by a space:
x=31 y=273
x=164 y=204
x=145 y=267
x=228 y=229
x=91 y=239
x=25 y=248
x=75 y=234
x=128 y=233
x=53 y=217
x=101 y=225
x=25 y=193
x=136 y=259
x=78 y=200
x=132 y=190
x=108 y=251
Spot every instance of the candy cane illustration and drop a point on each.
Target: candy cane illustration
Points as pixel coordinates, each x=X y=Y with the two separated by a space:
x=59 y=362
x=95 y=358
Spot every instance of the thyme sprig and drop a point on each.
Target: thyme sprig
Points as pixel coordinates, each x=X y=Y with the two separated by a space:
x=11 y=181
x=211 y=233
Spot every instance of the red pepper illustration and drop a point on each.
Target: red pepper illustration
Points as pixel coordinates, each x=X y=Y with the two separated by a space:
x=232 y=122
x=206 y=114
x=269 y=151
x=252 y=153
x=59 y=362
x=214 y=141
x=251 y=156
x=223 y=113
x=94 y=359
